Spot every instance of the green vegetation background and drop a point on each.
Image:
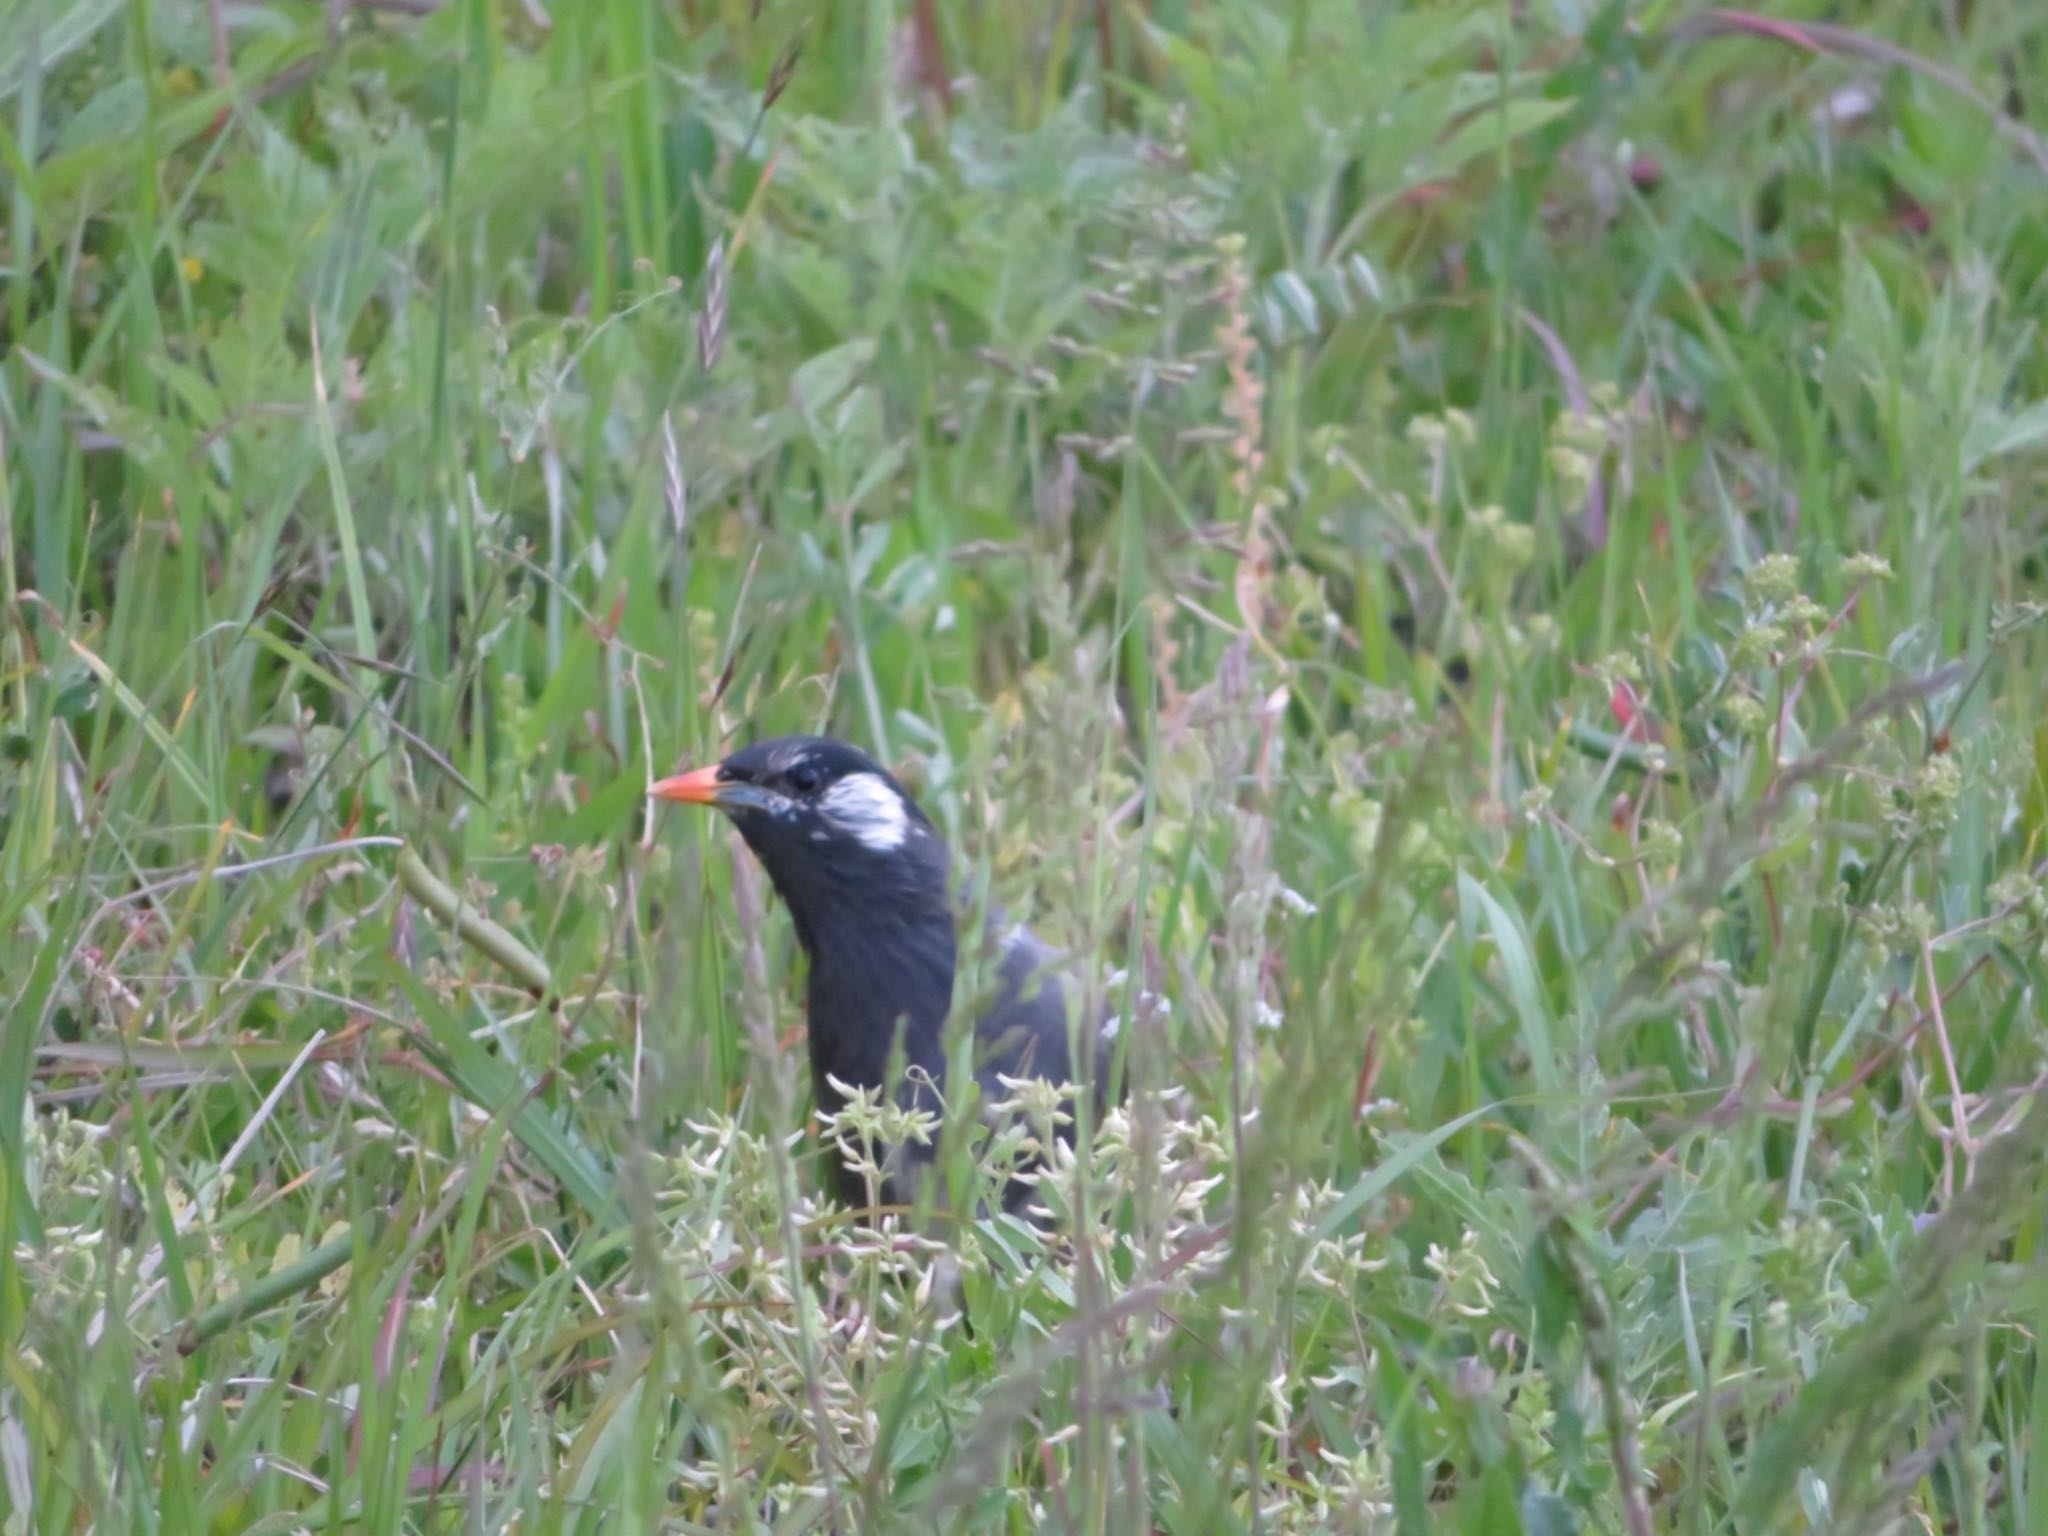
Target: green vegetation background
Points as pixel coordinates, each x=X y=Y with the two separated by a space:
x=1488 y=555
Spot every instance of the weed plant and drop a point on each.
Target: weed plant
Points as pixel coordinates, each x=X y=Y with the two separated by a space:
x=1478 y=567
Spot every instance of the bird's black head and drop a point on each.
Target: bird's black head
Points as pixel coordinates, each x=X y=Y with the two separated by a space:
x=837 y=834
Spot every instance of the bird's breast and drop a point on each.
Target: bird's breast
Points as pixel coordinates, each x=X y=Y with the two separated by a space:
x=873 y=992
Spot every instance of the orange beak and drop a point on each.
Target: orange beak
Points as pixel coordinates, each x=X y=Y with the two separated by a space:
x=700 y=786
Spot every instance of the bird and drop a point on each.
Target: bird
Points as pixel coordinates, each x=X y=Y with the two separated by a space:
x=870 y=889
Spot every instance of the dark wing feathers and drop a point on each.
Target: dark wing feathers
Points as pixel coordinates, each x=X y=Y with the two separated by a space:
x=1022 y=1032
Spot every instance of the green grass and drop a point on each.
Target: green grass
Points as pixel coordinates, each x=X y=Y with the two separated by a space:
x=1241 y=461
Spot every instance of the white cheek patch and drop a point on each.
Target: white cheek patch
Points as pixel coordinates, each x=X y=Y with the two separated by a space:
x=864 y=805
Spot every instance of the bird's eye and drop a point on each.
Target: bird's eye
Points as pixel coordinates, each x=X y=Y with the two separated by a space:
x=803 y=778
